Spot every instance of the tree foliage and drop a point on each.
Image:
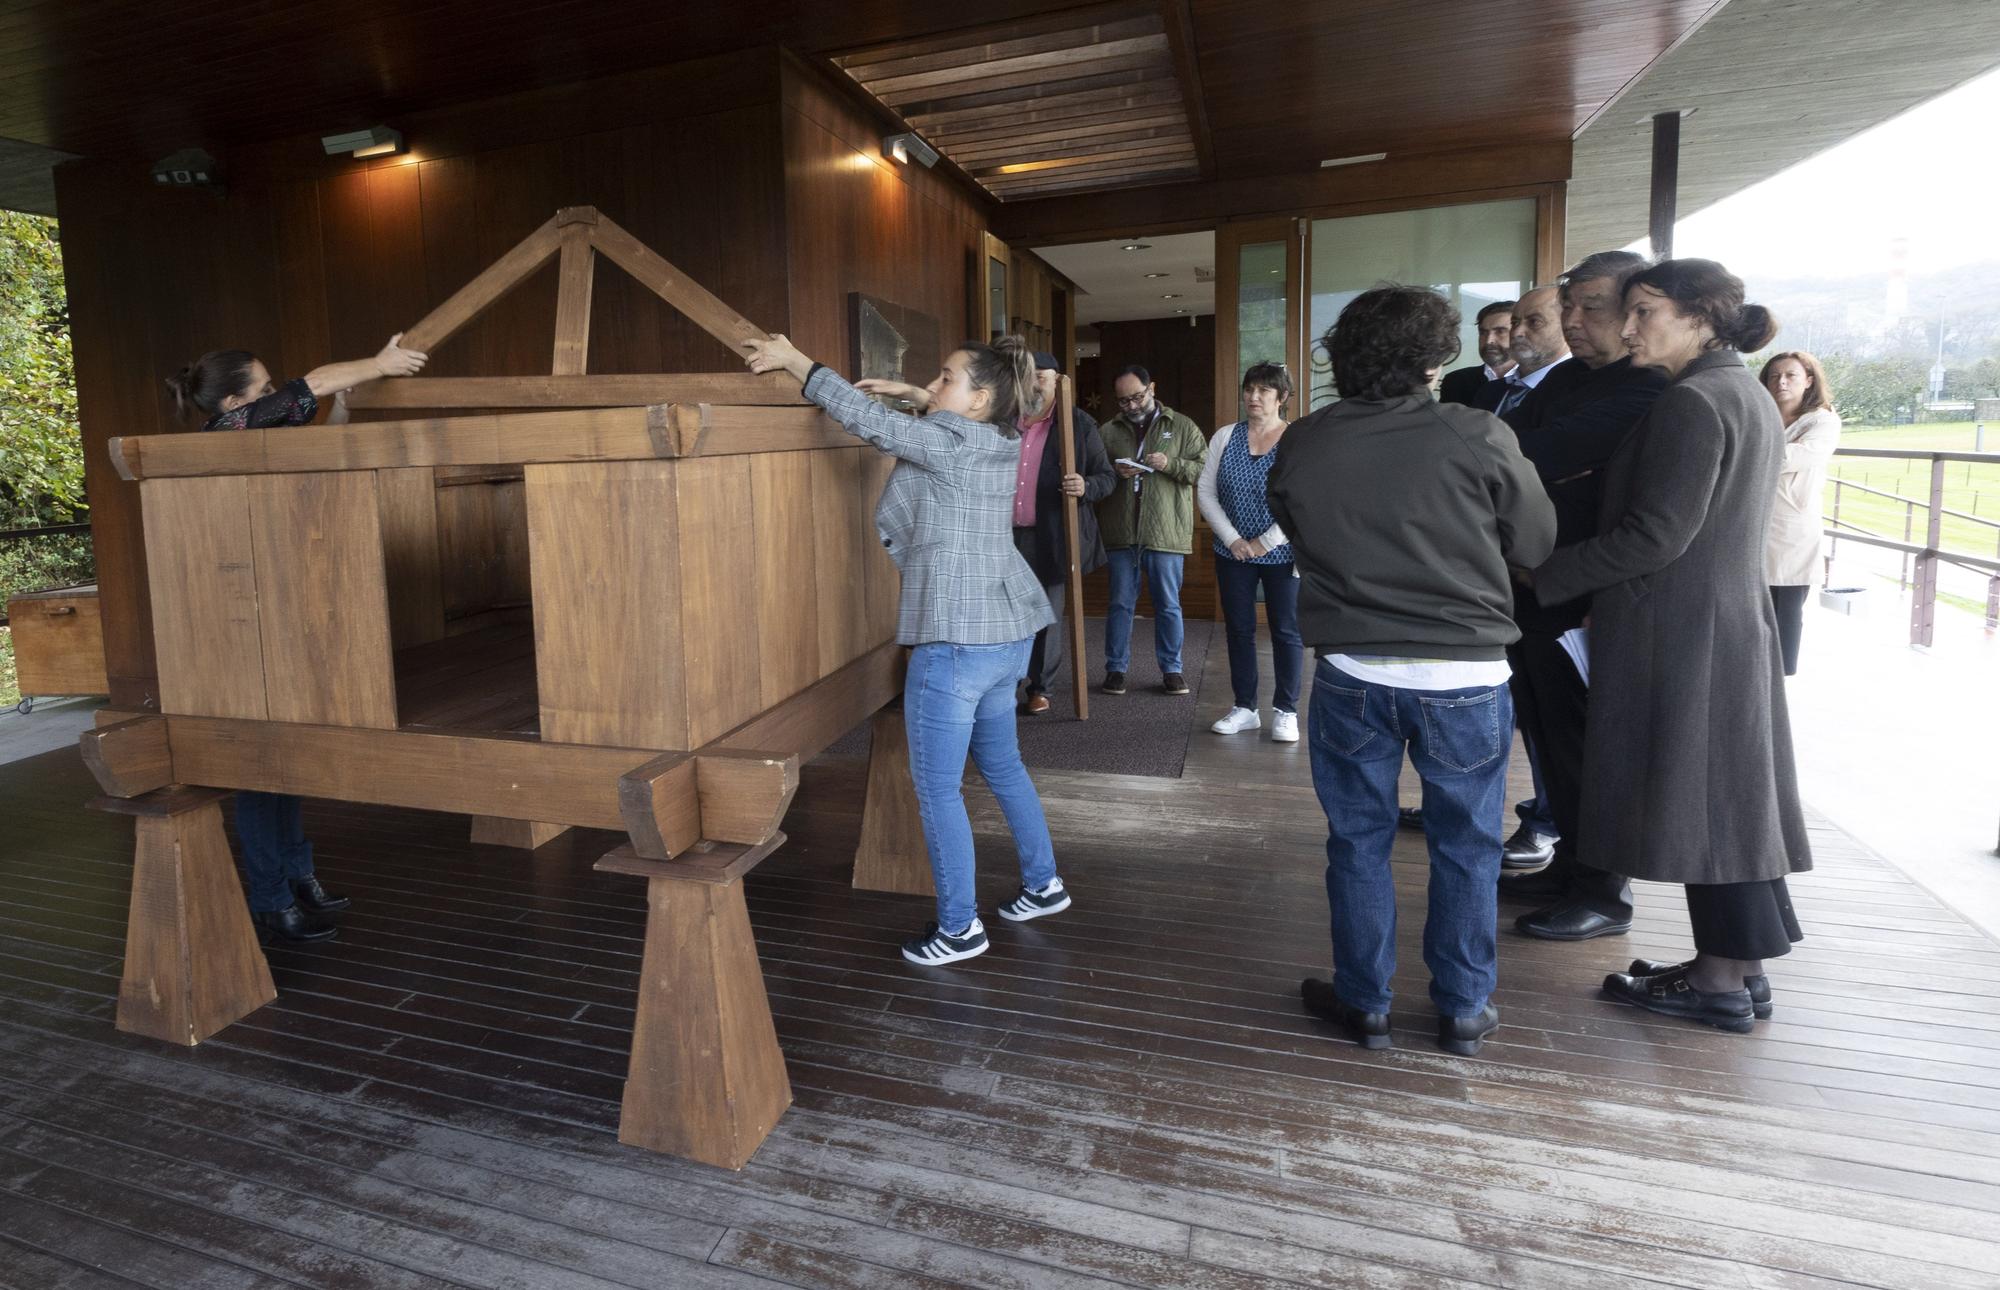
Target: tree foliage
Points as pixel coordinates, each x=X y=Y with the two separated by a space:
x=1876 y=391
x=41 y=455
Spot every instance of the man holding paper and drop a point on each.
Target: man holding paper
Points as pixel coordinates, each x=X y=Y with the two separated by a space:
x=1148 y=524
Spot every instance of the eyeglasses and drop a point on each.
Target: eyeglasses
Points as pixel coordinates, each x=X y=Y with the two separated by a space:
x=1133 y=400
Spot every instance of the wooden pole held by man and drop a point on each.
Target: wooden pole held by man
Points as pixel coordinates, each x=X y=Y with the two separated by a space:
x=1073 y=589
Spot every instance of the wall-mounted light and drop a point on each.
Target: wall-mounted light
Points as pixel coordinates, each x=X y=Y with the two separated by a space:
x=188 y=168
x=375 y=141
x=907 y=147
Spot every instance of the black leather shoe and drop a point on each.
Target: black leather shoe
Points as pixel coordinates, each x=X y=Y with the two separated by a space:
x=1410 y=817
x=1671 y=995
x=315 y=899
x=1114 y=683
x=1527 y=851
x=1174 y=683
x=1464 y=1035
x=1759 y=986
x=292 y=924
x=1570 y=921
x=1540 y=886
x=1369 y=1029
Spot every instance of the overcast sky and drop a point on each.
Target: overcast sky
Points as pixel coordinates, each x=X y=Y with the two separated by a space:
x=1929 y=175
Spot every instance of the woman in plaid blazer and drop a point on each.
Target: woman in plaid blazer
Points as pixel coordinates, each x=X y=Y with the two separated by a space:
x=970 y=607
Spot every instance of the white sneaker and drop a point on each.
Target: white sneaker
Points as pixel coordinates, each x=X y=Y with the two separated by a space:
x=1236 y=721
x=1285 y=727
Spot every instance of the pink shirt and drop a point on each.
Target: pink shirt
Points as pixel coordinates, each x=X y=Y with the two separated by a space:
x=1034 y=435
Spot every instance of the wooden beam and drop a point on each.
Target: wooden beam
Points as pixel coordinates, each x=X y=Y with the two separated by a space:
x=1026 y=68
x=661 y=806
x=744 y=794
x=585 y=434
x=516 y=779
x=1073 y=551
x=705 y=861
x=981 y=46
x=521 y=835
x=702 y=307
x=1180 y=39
x=810 y=720
x=444 y=393
x=495 y=281
x=572 y=356
x=891 y=855
x=710 y=429
x=129 y=758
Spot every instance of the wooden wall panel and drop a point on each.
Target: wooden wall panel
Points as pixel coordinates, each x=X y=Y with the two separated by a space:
x=720 y=648
x=785 y=549
x=845 y=552
x=607 y=580
x=204 y=584
x=482 y=540
x=322 y=600
x=409 y=517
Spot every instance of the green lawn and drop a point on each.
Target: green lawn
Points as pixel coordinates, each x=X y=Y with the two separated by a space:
x=1971 y=488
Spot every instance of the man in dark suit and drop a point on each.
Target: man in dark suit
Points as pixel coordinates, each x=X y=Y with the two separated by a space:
x=1496 y=322
x=1569 y=427
x=1038 y=523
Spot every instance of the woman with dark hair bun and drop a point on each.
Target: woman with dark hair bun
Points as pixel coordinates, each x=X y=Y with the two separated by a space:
x=1688 y=773
x=234 y=390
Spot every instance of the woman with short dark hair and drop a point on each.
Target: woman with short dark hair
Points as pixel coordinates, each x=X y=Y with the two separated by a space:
x=1251 y=554
x=1688 y=773
x=1812 y=431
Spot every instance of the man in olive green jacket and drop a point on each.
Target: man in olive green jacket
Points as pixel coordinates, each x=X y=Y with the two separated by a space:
x=1148 y=524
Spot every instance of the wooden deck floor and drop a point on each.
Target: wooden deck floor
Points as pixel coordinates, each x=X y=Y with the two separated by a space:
x=1127 y=1094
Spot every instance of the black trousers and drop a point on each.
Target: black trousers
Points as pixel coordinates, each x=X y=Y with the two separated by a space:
x=1743 y=920
x=1549 y=706
x=1045 y=656
x=1790 y=602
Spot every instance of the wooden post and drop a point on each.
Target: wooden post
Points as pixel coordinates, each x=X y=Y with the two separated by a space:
x=527 y=835
x=192 y=964
x=892 y=856
x=1079 y=677
x=1666 y=181
x=707 y=1080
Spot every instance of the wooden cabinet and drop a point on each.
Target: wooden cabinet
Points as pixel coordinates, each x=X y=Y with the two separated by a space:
x=58 y=641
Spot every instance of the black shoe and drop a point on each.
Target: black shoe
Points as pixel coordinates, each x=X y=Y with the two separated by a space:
x=1541 y=886
x=1174 y=683
x=1464 y=1035
x=1369 y=1029
x=1570 y=921
x=1671 y=995
x=1527 y=851
x=1410 y=817
x=1758 y=986
x=1114 y=683
x=291 y=924
x=314 y=898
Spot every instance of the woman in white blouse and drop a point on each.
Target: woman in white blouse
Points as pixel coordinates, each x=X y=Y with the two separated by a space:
x=1812 y=431
x=1251 y=552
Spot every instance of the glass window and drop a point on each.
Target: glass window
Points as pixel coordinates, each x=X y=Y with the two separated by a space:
x=996 y=298
x=1474 y=254
x=1260 y=308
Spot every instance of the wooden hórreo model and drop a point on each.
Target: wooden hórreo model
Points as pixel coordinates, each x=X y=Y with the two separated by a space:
x=710 y=608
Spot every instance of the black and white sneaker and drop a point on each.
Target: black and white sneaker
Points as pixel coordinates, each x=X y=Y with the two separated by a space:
x=1051 y=899
x=937 y=947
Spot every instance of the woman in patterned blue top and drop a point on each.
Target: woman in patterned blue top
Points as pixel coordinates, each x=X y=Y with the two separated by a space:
x=233 y=390
x=969 y=606
x=1251 y=552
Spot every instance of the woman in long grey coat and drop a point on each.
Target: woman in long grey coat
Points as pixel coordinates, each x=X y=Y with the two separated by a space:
x=1688 y=773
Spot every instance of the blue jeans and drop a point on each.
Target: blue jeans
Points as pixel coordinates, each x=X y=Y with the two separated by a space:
x=271 y=827
x=958 y=698
x=1458 y=742
x=1236 y=581
x=1163 y=582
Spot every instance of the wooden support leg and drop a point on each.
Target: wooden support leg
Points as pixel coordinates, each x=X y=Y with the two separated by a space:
x=192 y=963
x=891 y=856
x=493 y=831
x=707 y=1080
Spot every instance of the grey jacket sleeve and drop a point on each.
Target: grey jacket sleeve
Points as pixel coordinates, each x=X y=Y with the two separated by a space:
x=1526 y=516
x=1679 y=459
x=927 y=441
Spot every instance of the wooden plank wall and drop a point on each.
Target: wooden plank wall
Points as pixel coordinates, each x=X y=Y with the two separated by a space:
x=307 y=259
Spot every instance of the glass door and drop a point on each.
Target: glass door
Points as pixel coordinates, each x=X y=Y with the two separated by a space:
x=1258 y=293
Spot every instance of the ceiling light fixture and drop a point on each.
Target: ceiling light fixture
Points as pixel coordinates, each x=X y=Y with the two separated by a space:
x=1137 y=246
x=1171 y=295
x=907 y=146
x=375 y=141
x=1156 y=275
x=1355 y=160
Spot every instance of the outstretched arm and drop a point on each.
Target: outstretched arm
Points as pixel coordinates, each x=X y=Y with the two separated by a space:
x=392 y=360
x=896 y=433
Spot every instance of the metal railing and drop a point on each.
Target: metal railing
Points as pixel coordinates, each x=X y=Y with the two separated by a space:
x=1921 y=560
